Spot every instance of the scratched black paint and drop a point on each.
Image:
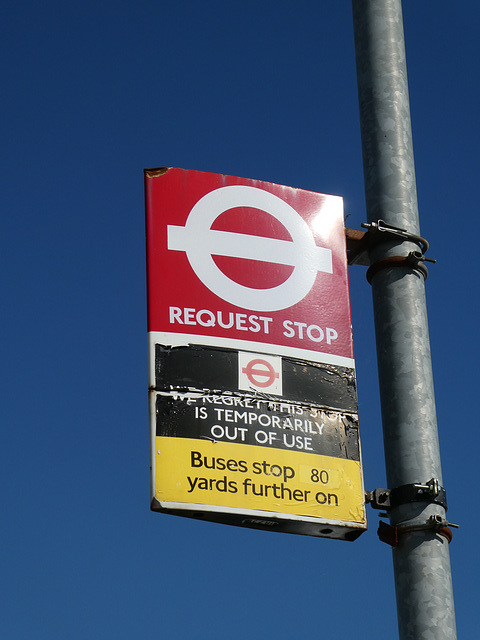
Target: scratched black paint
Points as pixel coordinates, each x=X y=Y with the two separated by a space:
x=216 y=369
x=309 y=430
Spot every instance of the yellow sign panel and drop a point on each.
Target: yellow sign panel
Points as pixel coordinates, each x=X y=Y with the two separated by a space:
x=249 y=478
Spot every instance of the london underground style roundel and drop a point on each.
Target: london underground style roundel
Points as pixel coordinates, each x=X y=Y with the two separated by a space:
x=253 y=406
x=300 y=252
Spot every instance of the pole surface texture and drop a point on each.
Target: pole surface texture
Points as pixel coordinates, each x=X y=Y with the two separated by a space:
x=421 y=559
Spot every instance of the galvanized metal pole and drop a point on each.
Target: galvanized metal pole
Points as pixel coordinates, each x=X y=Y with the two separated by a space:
x=421 y=558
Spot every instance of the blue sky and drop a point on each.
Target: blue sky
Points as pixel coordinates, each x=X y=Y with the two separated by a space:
x=93 y=93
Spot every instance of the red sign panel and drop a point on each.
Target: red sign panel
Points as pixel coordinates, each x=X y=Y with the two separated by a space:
x=238 y=262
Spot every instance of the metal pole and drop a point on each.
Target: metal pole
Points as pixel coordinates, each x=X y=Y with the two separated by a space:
x=421 y=558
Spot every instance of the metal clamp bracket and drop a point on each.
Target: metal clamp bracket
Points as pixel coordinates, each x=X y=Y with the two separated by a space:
x=381 y=230
x=391 y=533
x=414 y=261
x=360 y=243
x=387 y=499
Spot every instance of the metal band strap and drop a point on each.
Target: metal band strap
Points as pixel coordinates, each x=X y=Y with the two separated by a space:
x=412 y=261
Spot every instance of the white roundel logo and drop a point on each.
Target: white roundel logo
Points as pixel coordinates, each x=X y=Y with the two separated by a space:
x=200 y=243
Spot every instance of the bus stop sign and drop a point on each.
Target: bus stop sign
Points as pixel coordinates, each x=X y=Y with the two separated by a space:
x=252 y=383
